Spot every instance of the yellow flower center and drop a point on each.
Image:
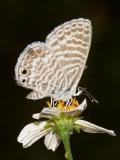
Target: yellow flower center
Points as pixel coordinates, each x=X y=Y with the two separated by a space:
x=63 y=107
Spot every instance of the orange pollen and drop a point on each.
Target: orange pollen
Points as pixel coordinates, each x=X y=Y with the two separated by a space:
x=62 y=105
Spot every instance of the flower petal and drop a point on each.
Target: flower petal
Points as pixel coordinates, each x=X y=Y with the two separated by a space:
x=52 y=141
x=83 y=105
x=30 y=128
x=79 y=109
x=29 y=140
x=47 y=113
x=36 y=116
x=92 y=128
x=53 y=111
x=31 y=133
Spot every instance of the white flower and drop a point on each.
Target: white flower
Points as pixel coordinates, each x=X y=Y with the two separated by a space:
x=92 y=128
x=34 y=131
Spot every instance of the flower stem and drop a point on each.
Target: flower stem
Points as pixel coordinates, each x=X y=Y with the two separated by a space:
x=66 y=142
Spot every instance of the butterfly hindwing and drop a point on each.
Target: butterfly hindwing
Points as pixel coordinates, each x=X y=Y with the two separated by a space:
x=38 y=70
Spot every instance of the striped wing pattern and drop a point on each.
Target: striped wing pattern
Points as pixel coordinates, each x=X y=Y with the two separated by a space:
x=70 y=43
x=54 y=68
x=44 y=76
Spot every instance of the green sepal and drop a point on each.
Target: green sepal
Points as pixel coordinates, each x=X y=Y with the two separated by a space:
x=49 y=124
x=77 y=128
x=64 y=124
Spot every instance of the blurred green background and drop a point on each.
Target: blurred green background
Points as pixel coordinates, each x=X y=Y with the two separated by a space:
x=22 y=22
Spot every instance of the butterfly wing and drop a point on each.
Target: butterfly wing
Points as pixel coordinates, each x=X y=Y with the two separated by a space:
x=37 y=69
x=70 y=43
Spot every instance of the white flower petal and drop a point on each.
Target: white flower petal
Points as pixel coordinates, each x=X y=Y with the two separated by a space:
x=31 y=128
x=29 y=140
x=54 y=111
x=32 y=132
x=47 y=113
x=50 y=112
x=52 y=141
x=82 y=106
x=79 y=109
x=92 y=128
x=36 y=116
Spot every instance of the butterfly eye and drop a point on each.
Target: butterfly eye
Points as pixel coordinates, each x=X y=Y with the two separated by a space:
x=24 y=71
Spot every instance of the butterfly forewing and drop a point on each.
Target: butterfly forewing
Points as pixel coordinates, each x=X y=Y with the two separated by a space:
x=70 y=43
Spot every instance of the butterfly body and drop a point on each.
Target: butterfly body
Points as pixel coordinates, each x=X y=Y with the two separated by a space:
x=54 y=68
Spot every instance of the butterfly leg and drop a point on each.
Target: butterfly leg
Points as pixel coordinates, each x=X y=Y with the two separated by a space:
x=69 y=101
x=54 y=103
x=51 y=101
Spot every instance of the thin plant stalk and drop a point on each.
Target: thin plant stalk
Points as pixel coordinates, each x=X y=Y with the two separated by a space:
x=66 y=142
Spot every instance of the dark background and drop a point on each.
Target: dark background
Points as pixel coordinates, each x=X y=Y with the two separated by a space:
x=22 y=22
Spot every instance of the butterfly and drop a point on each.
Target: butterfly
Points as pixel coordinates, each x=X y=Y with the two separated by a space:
x=54 y=68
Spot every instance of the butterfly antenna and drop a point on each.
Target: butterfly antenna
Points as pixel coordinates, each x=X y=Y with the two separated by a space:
x=89 y=95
